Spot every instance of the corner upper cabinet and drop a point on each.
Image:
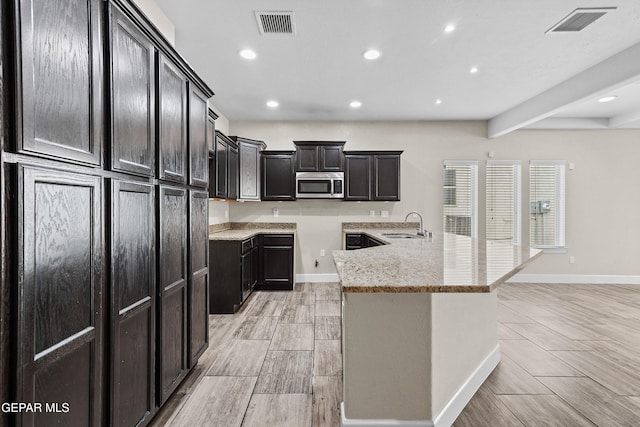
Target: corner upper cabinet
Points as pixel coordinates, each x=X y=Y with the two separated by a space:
x=278 y=175
x=172 y=117
x=319 y=156
x=249 y=172
x=133 y=97
x=198 y=144
x=372 y=176
x=226 y=161
x=59 y=80
x=386 y=176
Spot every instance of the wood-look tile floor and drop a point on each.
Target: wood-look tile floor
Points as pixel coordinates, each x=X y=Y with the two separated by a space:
x=275 y=363
x=570 y=357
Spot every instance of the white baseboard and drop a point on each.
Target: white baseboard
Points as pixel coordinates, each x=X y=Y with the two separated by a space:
x=315 y=278
x=452 y=409
x=575 y=278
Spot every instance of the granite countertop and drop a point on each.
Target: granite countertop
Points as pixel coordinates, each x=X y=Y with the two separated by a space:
x=245 y=230
x=441 y=263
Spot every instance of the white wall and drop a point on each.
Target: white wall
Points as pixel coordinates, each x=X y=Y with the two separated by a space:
x=159 y=19
x=603 y=203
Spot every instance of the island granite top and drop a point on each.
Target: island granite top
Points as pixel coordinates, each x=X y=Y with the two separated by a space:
x=442 y=263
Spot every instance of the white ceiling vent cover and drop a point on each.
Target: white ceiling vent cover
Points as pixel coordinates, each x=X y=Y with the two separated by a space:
x=275 y=22
x=579 y=19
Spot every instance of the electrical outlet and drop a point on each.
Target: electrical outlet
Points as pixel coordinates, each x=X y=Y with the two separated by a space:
x=322 y=252
x=372 y=213
x=384 y=214
x=275 y=212
x=572 y=259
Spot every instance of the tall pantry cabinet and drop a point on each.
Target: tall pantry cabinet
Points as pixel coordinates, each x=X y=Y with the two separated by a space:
x=104 y=157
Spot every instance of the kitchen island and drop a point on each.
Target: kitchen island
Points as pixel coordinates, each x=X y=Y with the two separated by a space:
x=419 y=318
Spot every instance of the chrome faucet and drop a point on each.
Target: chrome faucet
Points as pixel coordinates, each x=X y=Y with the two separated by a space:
x=420 y=230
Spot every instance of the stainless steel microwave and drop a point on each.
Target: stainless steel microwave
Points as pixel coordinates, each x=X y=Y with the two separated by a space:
x=319 y=185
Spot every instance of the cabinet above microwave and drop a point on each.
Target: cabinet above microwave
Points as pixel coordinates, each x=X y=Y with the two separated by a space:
x=319 y=156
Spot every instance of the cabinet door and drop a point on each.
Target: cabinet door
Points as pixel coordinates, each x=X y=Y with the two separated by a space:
x=357 y=177
x=221 y=168
x=278 y=177
x=277 y=262
x=199 y=275
x=249 y=171
x=386 y=172
x=198 y=148
x=172 y=319
x=133 y=97
x=233 y=172
x=245 y=276
x=133 y=300
x=331 y=158
x=307 y=158
x=60 y=299
x=255 y=266
x=172 y=106
x=61 y=79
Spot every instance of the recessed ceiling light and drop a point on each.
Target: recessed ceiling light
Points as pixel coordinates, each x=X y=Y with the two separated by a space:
x=371 y=54
x=607 y=98
x=438 y=101
x=355 y=104
x=248 y=54
x=272 y=104
x=449 y=28
x=473 y=70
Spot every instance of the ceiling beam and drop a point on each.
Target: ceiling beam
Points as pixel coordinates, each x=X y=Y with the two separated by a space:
x=623 y=119
x=610 y=74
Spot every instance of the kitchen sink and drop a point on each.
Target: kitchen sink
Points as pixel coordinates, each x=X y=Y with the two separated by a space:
x=401 y=236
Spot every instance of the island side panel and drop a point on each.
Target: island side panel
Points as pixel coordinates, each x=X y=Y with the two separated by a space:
x=386 y=356
x=464 y=334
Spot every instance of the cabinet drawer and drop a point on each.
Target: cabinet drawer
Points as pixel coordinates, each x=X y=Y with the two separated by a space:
x=278 y=240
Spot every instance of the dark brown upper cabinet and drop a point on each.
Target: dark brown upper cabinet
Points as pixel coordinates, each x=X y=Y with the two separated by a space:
x=60 y=304
x=211 y=141
x=386 y=176
x=357 y=177
x=133 y=302
x=319 y=156
x=59 y=85
x=198 y=144
x=172 y=121
x=133 y=97
x=278 y=175
x=372 y=175
x=226 y=161
x=249 y=167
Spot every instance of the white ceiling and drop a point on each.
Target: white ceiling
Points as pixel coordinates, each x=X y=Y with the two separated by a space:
x=525 y=78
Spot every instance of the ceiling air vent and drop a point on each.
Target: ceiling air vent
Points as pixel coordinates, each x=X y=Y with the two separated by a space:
x=579 y=19
x=275 y=22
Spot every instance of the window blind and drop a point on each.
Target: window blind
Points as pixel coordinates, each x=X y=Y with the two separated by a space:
x=547 y=203
x=460 y=195
x=503 y=200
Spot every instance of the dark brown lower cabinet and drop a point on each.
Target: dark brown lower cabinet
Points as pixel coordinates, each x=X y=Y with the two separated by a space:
x=133 y=298
x=60 y=296
x=277 y=262
x=198 y=274
x=173 y=298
